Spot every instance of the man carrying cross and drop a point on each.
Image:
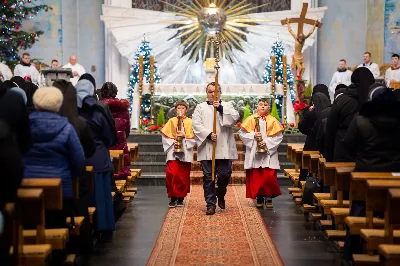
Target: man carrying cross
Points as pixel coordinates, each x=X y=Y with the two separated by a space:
x=300 y=38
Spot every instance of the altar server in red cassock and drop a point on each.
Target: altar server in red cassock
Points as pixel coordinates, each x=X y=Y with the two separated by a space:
x=261 y=168
x=179 y=164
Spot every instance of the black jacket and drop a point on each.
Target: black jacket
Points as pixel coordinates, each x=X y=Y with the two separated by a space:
x=342 y=113
x=322 y=131
x=372 y=137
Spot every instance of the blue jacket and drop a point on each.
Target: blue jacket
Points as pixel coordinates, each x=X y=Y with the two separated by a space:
x=56 y=150
x=104 y=133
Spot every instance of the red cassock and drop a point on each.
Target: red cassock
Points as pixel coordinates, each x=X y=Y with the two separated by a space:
x=262 y=182
x=178 y=178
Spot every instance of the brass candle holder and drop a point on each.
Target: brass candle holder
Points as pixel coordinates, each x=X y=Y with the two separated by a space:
x=152 y=89
x=141 y=88
x=259 y=139
x=178 y=148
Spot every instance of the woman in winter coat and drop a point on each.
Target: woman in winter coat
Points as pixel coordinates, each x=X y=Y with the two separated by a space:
x=69 y=109
x=342 y=113
x=307 y=125
x=120 y=113
x=371 y=140
x=105 y=136
x=56 y=150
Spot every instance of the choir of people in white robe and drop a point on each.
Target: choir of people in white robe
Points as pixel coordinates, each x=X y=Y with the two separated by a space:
x=26 y=70
x=226 y=151
x=5 y=72
x=373 y=67
x=261 y=167
x=341 y=76
x=392 y=74
x=179 y=163
x=77 y=69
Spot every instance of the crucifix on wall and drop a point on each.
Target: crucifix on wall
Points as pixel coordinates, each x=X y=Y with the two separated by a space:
x=300 y=38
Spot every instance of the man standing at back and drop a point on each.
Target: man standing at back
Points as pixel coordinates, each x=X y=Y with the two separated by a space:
x=77 y=69
x=26 y=70
x=226 y=151
x=341 y=76
x=373 y=67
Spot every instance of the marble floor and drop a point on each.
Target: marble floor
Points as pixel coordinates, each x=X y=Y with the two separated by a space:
x=298 y=241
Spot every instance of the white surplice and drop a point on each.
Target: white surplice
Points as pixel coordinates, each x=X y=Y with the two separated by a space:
x=202 y=120
x=5 y=71
x=374 y=68
x=391 y=74
x=264 y=160
x=24 y=71
x=78 y=68
x=185 y=156
x=339 y=77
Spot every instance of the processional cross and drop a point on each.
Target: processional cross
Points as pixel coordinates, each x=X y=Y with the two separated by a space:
x=300 y=38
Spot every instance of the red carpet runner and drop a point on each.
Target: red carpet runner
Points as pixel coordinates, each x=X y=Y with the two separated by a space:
x=235 y=236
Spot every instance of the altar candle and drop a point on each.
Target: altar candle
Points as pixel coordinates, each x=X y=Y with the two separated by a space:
x=273 y=70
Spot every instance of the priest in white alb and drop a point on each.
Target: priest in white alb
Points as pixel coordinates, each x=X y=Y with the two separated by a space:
x=261 y=166
x=373 y=67
x=77 y=69
x=202 y=120
x=26 y=70
x=179 y=162
x=392 y=74
x=341 y=76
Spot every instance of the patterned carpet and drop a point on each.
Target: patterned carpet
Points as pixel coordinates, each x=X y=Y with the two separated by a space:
x=234 y=236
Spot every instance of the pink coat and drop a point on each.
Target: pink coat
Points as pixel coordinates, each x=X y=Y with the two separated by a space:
x=120 y=113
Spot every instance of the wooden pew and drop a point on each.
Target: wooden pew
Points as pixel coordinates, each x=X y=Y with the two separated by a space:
x=306 y=159
x=389 y=255
x=31 y=202
x=117 y=157
x=392 y=220
x=377 y=200
x=358 y=192
x=133 y=151
x=342 y=184
x=52 y=195
x=12 y=233
x=329 y=178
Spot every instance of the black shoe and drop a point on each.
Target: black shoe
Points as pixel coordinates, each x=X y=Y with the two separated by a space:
x=180 y=202
x=172 y=203
x=221 y=203
x=210 y=211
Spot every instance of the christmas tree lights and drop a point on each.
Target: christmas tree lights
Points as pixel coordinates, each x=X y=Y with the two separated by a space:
x=145 y=51
x=12 y=38
x=278 y=51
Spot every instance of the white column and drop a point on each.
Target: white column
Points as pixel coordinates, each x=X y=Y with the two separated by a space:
x=117 y=67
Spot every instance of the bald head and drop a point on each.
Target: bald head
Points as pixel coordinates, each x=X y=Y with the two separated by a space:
x=72 y=59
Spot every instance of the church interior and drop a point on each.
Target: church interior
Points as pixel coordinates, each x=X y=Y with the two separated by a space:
x=199 y=132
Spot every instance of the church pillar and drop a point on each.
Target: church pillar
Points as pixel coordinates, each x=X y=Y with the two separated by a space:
x=117 y=67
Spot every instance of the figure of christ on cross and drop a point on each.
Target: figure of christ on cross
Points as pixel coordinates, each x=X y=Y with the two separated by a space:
x=300 y=38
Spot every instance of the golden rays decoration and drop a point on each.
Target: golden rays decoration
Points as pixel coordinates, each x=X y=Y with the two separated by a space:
x=202 y=19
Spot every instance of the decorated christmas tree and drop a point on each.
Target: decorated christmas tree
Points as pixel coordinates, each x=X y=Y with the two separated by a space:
x=12 y=37
x=278 y=51
x=145 y=51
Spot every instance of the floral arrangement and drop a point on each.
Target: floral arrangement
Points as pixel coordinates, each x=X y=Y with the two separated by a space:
x=299 y=106
x=146 y=127
x=290 y=128
x=237 y=127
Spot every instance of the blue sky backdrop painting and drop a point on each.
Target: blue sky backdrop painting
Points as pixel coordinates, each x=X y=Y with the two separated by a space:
x=392 y=37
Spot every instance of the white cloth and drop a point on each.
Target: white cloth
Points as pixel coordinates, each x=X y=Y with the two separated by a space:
x=5 y=71
x=202 y=120
x=264 y=160
x=374 y=68
x=339 y=77
x=391 y=75
x=78 y=68
x=185 y=156
x=24 y=71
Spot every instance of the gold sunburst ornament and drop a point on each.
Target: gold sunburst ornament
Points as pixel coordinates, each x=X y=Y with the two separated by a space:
x=202 y=19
